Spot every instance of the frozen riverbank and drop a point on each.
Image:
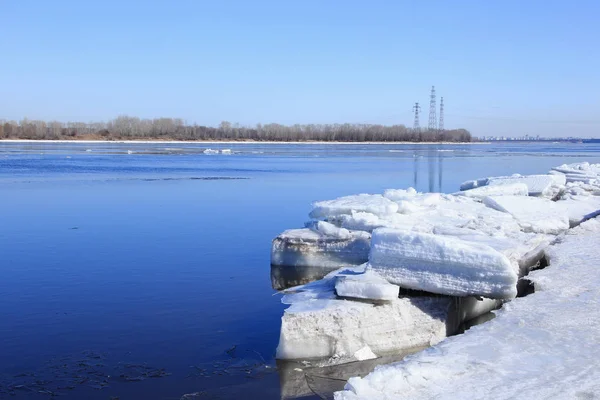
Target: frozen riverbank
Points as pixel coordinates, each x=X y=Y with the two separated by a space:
x=541 y=346
x=452 y=257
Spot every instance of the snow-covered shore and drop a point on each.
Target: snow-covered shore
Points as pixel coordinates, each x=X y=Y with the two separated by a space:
x=451 y=258
x=546 y=345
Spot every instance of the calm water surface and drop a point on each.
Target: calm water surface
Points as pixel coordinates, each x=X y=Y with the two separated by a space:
x=146 y=275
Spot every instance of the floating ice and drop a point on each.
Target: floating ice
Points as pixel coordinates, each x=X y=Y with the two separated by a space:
x=305 y=247
x=533 y=214
x=440 y=264
x=211 y=151
x=371 y=203
x=367 y=285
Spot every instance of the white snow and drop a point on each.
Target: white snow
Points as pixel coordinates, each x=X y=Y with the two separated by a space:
x=327 y=229
x=226 y=151
x=211 y=151
x=514 y=189
x=537 y=185
x=534 y=214
x=305 y=247
x=371 y=203
x=364 y=353
x=441 y=264
x=541 y=346
x=366 y=285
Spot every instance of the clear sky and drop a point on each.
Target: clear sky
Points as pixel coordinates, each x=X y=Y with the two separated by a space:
x=504 y=67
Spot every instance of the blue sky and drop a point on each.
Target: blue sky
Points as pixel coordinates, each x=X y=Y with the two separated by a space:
x=503 y=67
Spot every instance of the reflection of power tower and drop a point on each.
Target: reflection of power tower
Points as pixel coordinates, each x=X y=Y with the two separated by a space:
x=440 y=169
x=432 y=110
x=416 y=109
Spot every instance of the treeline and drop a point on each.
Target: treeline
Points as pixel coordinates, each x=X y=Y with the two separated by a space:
x=131 y=128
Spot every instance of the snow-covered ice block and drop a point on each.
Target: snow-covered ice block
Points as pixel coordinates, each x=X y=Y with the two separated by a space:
x=579 y=208
x=338 y=329
x=541 y=346
x=371 y=203
x=472 y=184
x=305 y=247
x=510 y=189
x=328 y=229
x=441 y=264
x=367 y=285
x=537 y=185
x=534 y=214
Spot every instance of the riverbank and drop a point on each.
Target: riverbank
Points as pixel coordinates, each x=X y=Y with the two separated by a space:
x=229 y=142
x=544 y=345
x=417 y=265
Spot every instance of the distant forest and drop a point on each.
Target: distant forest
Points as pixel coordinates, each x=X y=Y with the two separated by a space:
x=131 y=128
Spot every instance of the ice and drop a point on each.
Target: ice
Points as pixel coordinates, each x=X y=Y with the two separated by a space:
x=533 y=214
x=515 y=189
x=537 y=185
x=321 y=328
x=541 y=346
x=371 y=203
x=441 y=264
x=226 y=151
x=364 y=353
x=211 y=151
x=367 y=285
x=580 y=208
x=327 y=229
x=305 y=247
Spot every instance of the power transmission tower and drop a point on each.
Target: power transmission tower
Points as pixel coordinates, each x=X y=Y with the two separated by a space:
x=441 y=124
x=432 y=109
x=416 y=109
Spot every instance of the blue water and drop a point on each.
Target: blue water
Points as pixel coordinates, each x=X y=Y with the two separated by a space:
x=146 y=275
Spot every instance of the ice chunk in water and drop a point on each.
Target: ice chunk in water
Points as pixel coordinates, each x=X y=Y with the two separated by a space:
x=371 y=203
x=367 y=285
x=328 y=328
x=441 y=264
x=305 y=247
x=533 y=214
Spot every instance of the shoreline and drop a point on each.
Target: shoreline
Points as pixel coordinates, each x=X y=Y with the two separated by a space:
x=227 y=142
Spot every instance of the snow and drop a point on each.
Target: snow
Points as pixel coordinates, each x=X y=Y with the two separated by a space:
x=514 y=189
x=441 y=264
x=537 y=185
x=533 y=214
x=364 y=353
x=367 y=285
x=211 y=151
x=226 y=151
x=371 y=203
x=541 y=346
x=327 y=229
x=305 y=247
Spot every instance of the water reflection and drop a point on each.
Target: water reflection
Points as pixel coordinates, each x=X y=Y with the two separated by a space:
x=434 y=156
x=297 y=380
x=283 y=277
